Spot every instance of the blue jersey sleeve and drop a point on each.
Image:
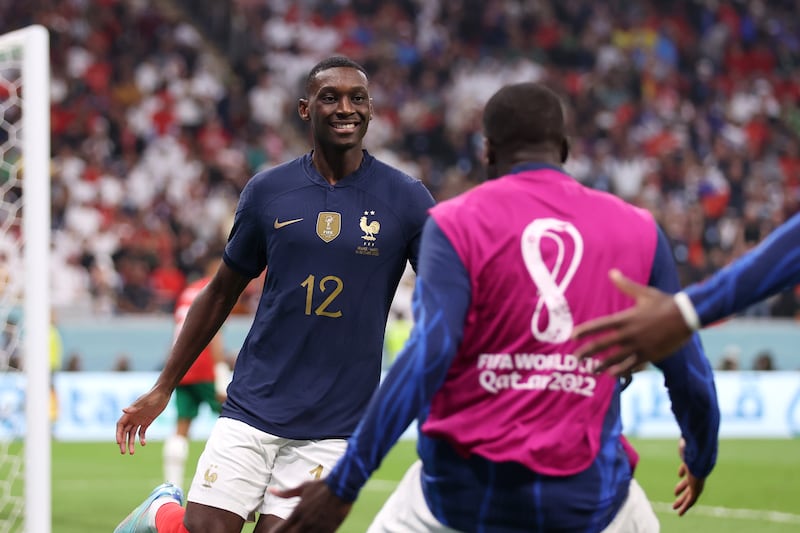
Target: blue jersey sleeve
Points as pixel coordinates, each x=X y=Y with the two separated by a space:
x=689 y=379
x=774 y=265
x=424 y=201
x=440 y=303
x=245 y=251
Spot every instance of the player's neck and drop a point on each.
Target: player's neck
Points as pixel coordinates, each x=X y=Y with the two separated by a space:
x=333 y=165
x=527 y=155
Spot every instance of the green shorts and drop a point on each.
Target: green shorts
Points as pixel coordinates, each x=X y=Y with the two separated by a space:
x=189 y=398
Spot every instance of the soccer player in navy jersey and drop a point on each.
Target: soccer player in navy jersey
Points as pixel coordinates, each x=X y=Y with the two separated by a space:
x=660 y=322
x=515 y=433
x=335 y=229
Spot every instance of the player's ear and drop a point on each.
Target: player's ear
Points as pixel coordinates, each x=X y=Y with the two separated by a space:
x=564 y=149
x=489 y=155
x=302 y=109
x=490 y=159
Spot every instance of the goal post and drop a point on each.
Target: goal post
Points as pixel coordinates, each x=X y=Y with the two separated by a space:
x=25 y=232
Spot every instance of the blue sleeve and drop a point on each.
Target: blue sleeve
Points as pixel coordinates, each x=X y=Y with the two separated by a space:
x=440 y=303
x=424 y=201
x=689 y=379
x=245 y=251
x=774 y=265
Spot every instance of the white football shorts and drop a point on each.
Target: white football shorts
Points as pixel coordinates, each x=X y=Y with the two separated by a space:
x=240 y=463
x=406 y=510
x=636 y=514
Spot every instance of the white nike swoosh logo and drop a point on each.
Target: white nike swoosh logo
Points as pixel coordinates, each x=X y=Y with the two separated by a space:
x=279 y=225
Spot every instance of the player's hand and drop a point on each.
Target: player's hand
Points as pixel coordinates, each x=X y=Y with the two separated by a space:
x=137 y=417
x=649 y=331
x=687 y=491
x=319 y=510
x=689 y=488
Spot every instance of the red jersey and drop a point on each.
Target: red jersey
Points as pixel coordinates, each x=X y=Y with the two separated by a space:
x=203 y=368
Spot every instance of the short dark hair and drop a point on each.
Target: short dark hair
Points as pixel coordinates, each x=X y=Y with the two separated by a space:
x=331 y=62
x=524 y=114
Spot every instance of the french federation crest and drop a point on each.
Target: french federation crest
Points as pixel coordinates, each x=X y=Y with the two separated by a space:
x=370 y=228
x=210 y=476
x=329 y=225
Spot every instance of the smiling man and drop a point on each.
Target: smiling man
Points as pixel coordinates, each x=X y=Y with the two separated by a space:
x=336 y=227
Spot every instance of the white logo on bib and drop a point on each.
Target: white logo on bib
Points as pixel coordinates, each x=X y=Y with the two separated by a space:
x=551 y=293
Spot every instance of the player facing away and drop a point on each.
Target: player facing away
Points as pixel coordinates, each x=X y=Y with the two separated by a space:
x=660 y=321
x=515 y=433
x=204 y=383
x=337 y=228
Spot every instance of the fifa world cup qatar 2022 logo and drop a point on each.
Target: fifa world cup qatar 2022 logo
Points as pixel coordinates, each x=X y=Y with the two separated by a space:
x=551 y=291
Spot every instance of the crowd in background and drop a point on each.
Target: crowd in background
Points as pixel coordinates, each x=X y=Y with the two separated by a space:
x=162 y=111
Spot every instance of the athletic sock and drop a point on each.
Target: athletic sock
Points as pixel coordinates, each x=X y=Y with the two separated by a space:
x=169 y=518
x=176 y=450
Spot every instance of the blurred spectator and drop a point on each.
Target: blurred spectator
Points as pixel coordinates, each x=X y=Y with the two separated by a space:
x=730 y=358
x=763 y=361
x=74 y=363
x=122 y=363
x=56 y=358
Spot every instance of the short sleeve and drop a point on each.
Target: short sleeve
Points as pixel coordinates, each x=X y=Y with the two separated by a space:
x=246 y=248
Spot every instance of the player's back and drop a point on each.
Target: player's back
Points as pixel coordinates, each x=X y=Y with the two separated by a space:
x=521 y=436
x=537 y=247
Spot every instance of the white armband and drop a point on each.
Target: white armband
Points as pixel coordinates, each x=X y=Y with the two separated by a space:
x=222 y=378
x=688 y=312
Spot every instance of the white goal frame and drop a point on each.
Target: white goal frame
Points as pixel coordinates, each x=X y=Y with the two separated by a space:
x=35 y=44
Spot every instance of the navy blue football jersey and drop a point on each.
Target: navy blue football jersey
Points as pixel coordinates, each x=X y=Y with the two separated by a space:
x=334 y=255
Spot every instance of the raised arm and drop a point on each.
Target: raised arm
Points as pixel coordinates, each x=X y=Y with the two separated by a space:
x=660 y=322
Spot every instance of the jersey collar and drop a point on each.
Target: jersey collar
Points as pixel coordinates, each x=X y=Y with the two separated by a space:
x=316 y=177
x=524 y=167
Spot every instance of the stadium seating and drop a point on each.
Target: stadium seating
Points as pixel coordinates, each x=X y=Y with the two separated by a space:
x=161 y=112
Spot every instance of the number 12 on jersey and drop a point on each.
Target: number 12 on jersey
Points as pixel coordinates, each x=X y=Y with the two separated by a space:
x=328 y=283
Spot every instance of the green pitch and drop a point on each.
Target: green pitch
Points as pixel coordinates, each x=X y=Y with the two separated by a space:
x=755 y=487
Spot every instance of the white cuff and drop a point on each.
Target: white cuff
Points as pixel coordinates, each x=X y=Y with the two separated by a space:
x=688 y=312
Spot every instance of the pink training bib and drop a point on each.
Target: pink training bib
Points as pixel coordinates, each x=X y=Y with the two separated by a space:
x=538 y=247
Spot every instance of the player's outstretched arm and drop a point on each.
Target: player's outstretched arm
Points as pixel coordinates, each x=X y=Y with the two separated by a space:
x=649 y=331
x=319 y=510
x=206 y=315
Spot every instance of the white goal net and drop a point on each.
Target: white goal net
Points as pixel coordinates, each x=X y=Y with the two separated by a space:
x=24 y=306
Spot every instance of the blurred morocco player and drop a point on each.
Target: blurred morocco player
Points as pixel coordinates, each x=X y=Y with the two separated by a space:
x=205 y=382
x=517 y=434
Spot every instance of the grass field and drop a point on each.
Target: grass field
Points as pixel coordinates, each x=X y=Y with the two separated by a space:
x=755 y=487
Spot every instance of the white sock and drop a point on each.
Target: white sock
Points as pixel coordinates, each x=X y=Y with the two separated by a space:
x=176 y=450
x=154 y=507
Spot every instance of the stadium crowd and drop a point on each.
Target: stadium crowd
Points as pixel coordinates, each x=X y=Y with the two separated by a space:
x=162 y=111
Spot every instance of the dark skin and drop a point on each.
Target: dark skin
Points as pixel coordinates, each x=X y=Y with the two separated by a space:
x=650 y=331
x=339 y=110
